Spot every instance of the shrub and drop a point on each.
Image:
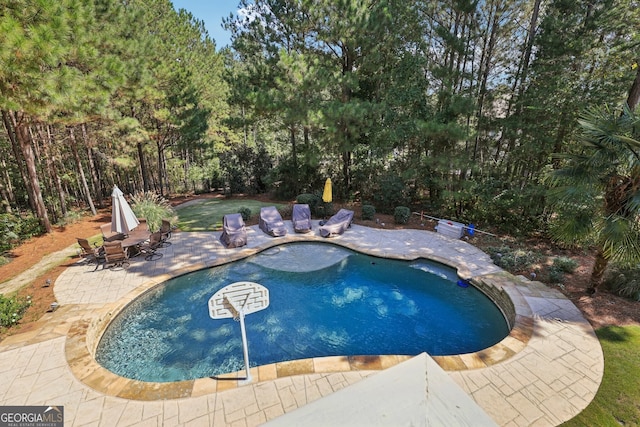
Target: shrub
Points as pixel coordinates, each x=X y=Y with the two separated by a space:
x=368 y=212
x=513 y=259
x=12 y=309
x=153 y=208
x=513 y=210
x=9 y=225
x=391 y=190
x=624 y=281
x=286 y=211
x=313 y=200
x=556 y=275
x=30 y=226
x=402 y=214
x=245 y=212
x=71 y=217
x=14 y=229
x=565 y=264
x=560 y=267
x=325 y=209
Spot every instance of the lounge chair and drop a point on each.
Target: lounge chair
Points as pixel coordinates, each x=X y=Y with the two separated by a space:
x=271 y=222
x=301 y=218
x=150 y=248
x=337 y=224
x=115 y=255
x=234 y=233
x=91 y=253
x=108 y=235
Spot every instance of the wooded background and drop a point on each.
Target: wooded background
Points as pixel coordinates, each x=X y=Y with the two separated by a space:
x=452 y=107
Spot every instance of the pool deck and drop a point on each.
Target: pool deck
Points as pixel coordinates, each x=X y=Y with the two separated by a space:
x=544 y=373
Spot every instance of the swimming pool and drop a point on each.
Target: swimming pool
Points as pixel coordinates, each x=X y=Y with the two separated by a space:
x=324 y=300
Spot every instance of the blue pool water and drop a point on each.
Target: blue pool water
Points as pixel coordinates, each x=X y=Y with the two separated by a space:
x=324 y=301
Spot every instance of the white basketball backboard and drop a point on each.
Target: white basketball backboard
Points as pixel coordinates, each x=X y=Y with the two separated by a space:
x=229 y=301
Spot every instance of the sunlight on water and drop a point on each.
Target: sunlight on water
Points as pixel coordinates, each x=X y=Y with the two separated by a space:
x=348 y=296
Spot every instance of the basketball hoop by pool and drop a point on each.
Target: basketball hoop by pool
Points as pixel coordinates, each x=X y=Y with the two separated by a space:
x=324 y=300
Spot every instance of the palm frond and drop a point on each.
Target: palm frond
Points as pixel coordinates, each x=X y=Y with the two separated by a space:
x=594 y=194
x=574 y=227
x=621 y=240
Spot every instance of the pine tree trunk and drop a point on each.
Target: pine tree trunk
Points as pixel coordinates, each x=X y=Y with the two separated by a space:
x=35 y=194
x=5 y=202
x=95 y=181
x=6 y=188
x=17 y=154
x=294 y=155
x=161 y=176
x=143 y=168
x=485 y=68
x=47 y=142
x=83 y=179
x=528 y=50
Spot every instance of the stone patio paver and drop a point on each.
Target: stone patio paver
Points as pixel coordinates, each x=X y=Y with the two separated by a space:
x=551 y=371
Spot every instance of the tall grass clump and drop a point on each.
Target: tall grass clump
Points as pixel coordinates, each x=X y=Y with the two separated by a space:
x=153 y=208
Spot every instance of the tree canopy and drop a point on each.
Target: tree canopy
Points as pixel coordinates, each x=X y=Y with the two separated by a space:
x=460 y=108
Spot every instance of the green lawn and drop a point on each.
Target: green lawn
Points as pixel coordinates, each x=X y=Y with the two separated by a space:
x=206 y=215
x=617 y=402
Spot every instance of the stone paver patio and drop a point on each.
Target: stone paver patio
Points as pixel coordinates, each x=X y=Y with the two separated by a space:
x=545 y=372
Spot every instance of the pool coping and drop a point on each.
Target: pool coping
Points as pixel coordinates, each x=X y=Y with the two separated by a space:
x=83 y=336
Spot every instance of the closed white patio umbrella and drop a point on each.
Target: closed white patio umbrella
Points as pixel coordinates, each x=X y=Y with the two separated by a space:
x=123 y=219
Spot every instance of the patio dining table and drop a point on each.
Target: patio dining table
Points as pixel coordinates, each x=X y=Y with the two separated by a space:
x=133 y=240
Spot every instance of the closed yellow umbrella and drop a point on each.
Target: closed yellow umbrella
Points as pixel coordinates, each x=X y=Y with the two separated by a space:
x=326 y=194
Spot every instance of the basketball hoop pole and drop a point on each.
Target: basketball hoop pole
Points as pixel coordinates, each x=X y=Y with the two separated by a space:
x=245 y=348
x=236 y=300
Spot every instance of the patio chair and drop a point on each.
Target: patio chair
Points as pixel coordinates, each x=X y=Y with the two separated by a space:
x=90 y=253
x=115 y=255
x=142 y=226
x=150 y=248
x=165 y=230
x=108 y=235
x=271 y=222
x=234 y=233
x=301 y=218
x=337 y=224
